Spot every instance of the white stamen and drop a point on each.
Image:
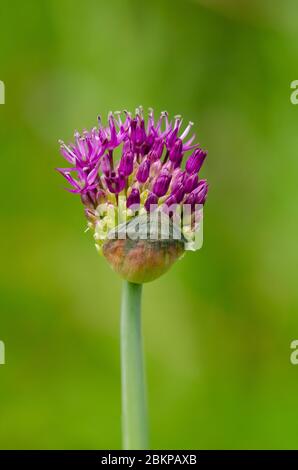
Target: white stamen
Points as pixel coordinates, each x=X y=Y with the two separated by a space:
x=186 y=131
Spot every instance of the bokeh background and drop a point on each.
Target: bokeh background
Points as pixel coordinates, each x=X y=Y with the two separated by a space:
x=218 y=327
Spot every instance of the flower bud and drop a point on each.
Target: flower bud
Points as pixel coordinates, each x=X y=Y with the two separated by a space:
x=179 y=193
x=115 y=183
x=143 y=171
x=152 y=200
x=191 y=182
x=176 y=152
x=162 y=183
x=126 y=164
x=195 y=161
x=133 y=199
x=144 y=255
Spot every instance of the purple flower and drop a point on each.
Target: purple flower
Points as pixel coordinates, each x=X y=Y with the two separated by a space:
x=143 y=171
x=171 y=200
x=198 y=195
x=201 y=192
x=179 y=193
x=176 y=152
x=150 y=167
x=178 y=178
x=115 y=183
x=133 y=199
x=195 y=161
x=191 y=182
x=162 y=183
x=126 y=163
x=156 y=151
x=128 y=168
x=151 y=202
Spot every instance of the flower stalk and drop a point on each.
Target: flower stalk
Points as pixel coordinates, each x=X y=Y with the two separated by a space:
x=134 y=407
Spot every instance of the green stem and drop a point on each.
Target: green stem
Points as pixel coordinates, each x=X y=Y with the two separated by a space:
x=134 y=409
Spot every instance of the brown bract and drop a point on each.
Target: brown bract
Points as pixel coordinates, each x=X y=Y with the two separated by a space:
x=142 y=261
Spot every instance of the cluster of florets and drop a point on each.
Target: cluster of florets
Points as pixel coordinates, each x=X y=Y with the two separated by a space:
x=130 y=168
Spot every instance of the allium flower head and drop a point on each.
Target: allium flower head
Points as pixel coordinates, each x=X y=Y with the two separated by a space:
x=131 y=169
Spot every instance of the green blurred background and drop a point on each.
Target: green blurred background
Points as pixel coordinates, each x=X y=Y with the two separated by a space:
x=218 y=327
